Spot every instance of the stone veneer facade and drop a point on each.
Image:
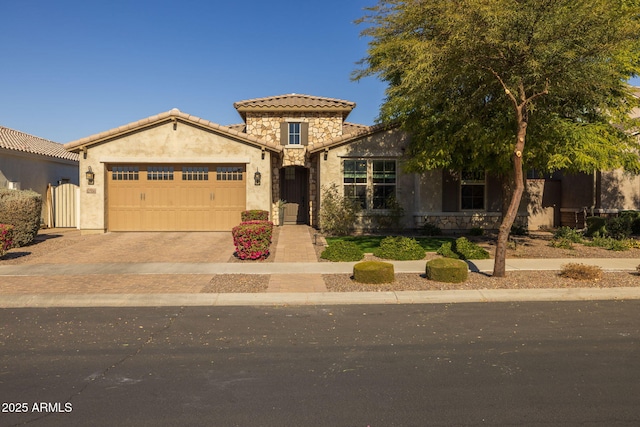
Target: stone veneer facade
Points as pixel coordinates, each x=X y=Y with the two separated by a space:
x=323 y=127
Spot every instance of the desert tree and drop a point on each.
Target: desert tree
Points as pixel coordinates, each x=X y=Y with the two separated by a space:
x=504 y=85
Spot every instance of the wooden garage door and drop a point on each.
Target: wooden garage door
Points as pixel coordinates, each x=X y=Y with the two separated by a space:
x=175 y=197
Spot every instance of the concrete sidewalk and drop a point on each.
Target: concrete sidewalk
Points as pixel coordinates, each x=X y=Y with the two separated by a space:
x=295 y=268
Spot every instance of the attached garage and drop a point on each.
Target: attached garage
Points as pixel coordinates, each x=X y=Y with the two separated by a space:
x=175 y=197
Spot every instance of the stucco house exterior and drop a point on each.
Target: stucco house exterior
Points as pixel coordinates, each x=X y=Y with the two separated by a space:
x=174 y=171
x=29 y=162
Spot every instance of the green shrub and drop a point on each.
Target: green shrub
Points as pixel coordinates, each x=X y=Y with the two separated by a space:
x=446 y=250
x=561 y=243
x=373 y=272
x=252 y=239
x=581 y=271
x=568 y=233
x=429 y=229
x=634 y=218
x=254 y=215
x=595 y=226
x=22 y=209
x=342 y=251
x=618 y=227
x=447 y=270
x=6 y=238
x=399 y=248
x=610 y=243
x=519 y=230
x=338 y=215
x=476 y=231
x=462 y=248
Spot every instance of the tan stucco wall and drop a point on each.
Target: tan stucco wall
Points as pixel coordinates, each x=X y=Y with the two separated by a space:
x=163 y=144
x=383 y=145
x=35 y=172
x=619 y=190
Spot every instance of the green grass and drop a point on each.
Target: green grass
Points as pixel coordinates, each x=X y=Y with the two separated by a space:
x=369 y=243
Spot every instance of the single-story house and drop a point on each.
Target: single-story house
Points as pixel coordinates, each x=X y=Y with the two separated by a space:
x=175 y=171
x=28 y=162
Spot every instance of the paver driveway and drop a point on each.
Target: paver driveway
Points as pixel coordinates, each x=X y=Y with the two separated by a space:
x=194 y=247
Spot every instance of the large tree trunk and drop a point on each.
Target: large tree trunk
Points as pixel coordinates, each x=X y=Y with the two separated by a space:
x=499 y=267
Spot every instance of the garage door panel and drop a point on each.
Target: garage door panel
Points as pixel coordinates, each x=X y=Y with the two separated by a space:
x=175 y=197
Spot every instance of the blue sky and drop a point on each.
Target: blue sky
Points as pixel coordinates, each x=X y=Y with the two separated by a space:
x=72 y=68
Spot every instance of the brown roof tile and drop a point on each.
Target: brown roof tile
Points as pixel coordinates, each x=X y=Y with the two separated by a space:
x=11 y=139
x=294 y=102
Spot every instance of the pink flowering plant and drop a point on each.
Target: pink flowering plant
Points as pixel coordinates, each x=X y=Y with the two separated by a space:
x=6 y=238
x=252 y=239
x=254 y=215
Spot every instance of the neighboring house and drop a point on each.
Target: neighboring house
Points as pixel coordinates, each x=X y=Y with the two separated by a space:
x=28 y=162
x=174 y=171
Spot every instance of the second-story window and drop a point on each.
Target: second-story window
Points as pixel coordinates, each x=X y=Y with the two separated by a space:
x=294 y=133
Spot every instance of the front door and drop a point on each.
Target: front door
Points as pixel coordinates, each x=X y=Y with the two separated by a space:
x=293 y=190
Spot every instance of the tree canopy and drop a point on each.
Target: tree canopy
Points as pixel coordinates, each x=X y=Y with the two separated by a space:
x=477 y=81
x=451 y=66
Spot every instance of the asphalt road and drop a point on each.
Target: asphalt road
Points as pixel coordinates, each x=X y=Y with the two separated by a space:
x=569 y=363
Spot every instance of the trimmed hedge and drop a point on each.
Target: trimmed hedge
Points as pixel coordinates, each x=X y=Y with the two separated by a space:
x=342 y=251
x=252 y=239
x=399 y=248
x=447 y=270
x=22 y=209
x=6 y=238
x=254 y=215
x=373 y=272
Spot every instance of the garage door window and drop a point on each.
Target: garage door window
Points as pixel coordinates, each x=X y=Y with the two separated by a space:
x=195 y=173
x=229 y=173
x=160 y=173
x=125 y=173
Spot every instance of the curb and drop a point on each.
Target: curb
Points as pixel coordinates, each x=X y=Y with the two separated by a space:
x=318 y=298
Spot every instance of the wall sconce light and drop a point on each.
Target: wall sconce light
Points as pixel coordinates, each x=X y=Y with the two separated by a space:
x=326 y=154
x=257 y=177
x=90 y=176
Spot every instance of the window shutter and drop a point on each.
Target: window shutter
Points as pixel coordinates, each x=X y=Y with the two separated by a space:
x=284 y=133
x=304 y=133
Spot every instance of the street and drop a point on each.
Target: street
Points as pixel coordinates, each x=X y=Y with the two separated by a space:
x=552 y=363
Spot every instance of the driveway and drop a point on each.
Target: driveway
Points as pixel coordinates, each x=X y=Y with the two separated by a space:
x=65 y=246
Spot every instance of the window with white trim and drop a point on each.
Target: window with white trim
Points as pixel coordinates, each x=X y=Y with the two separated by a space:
x=472 y=190
x=370 y=183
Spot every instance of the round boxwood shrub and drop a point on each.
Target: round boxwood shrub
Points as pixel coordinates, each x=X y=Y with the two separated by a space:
x=373 y=272
x=399 y=248
x=22 y=210
x=342 y=251
x=462 y=248
x=447 y=270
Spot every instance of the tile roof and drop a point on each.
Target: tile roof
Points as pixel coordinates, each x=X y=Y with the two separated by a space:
x=12 y=139
x=167 y=116
x=294 y=102
x=359 y=132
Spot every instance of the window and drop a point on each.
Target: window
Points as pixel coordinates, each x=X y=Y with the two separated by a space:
x=371 y=183
x=125 y=173
x=229 y=173
x=294 y=133
x=355 y=181
x=384 y=184
x=160 y=173
x=195 y=173
x=472 y=186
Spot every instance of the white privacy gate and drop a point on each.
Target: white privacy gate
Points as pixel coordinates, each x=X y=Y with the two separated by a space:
x=64 y=205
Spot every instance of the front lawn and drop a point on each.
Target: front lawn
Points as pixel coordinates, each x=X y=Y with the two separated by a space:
x=369 y=243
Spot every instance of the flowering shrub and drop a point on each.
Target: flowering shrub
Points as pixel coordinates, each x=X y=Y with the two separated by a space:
x=6 y=238
x=252 y=239
x=254 y=215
